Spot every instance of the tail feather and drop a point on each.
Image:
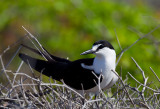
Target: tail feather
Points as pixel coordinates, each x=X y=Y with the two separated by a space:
x=48 y=68
x=47 y=55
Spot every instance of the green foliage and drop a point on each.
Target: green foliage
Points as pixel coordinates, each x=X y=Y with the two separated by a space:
x=69 y=27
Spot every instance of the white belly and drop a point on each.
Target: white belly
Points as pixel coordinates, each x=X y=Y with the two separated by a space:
x=105 y=84
x=104 y=66
x=109 y=78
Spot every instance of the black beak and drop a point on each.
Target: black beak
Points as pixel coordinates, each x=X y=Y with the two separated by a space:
x=88 y=52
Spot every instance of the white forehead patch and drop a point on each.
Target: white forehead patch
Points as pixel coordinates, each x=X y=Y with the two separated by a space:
x=94 y=48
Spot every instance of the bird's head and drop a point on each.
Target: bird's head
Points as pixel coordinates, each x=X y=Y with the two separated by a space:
x=101 y=47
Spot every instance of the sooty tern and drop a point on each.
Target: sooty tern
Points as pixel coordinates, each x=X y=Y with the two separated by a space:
x=79 y=74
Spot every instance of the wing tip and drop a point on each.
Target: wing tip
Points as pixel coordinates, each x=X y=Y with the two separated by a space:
x=25 y=58
x=22 y=56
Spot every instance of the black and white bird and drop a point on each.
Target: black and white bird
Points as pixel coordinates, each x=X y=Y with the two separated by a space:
x=82 y=74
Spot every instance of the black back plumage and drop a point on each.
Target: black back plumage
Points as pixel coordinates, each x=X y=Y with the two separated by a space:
x=70 y=72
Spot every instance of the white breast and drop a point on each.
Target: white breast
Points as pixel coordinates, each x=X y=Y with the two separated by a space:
x=104 y=62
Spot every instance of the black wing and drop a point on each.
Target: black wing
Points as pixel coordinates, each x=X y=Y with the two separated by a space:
x=47 y=55
x=48 y=68
x=80 y=78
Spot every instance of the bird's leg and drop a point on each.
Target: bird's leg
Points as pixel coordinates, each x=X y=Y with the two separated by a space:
x=87 y=66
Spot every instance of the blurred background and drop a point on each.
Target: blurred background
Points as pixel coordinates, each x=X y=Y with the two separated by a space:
x=66 y=28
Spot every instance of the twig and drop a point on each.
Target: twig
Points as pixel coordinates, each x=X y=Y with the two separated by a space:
x=124 y=88
x=120 y=48
x=125 y=49
x=155 y=74
x=144 y=85
x=23 y=92
x=11 y=58
x=145 y=82
x=5 y=72
x=90 y=101
x=38 y=44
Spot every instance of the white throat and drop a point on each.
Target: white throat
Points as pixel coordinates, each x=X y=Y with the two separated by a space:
x=104 y=61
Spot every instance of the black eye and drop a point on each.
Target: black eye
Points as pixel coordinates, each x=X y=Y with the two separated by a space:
x=100 y=47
